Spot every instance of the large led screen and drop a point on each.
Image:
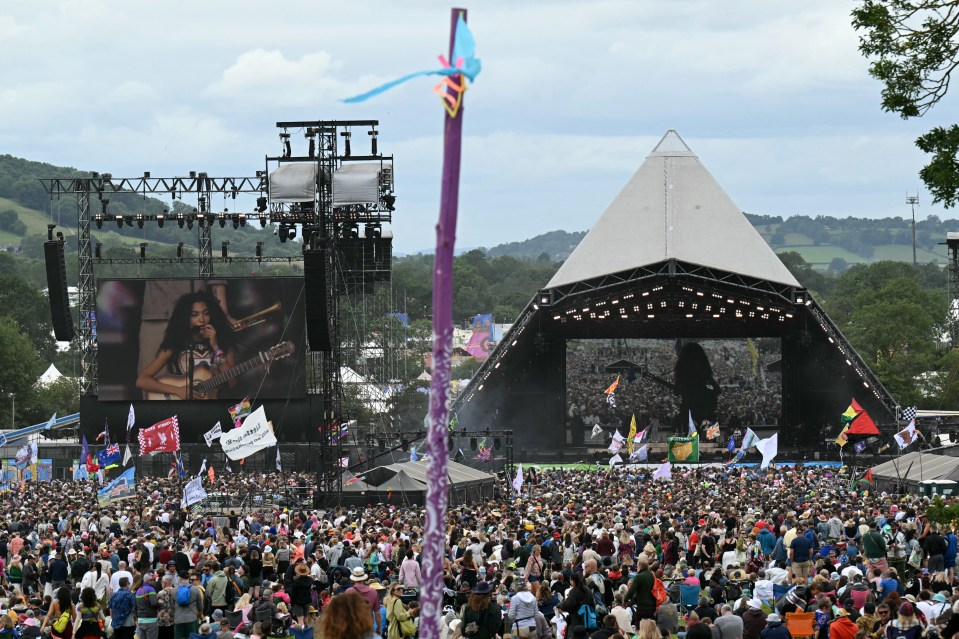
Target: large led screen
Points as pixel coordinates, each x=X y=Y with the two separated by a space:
x=736 y=382
x=200 y=339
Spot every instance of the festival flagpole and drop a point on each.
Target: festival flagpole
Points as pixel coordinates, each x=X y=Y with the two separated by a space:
x=437 y=489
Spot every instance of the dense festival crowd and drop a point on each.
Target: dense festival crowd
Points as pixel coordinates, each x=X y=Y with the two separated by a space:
x=749 y=390
x=717 y=552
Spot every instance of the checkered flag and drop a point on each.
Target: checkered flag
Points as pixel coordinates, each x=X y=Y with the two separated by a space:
x=908 y=413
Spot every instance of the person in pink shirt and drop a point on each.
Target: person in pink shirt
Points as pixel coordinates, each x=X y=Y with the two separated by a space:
x=410 y=571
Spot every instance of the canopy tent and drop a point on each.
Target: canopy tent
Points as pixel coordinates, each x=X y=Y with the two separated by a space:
x=409 y=479
x=903 y=474
x=49 y=376
x=621 y=366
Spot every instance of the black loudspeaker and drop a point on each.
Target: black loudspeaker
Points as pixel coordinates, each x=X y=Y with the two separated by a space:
x=57 y=287
x=317 y=317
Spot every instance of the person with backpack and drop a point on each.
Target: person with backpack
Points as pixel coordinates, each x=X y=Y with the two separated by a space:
x=522 y=611
x=188 y=609
x=599 y=586
x=641 y=591
x=580 y=605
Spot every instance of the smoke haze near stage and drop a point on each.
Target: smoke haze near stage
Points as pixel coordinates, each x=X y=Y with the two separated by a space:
x=249 y=342
x=746 y=373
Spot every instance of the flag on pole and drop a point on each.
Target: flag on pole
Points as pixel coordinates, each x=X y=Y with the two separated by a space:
x=769 y=448
x=863 y=425
x=105 y=435
x=859 y=446
x=130 y=421
x=611 y=399
x=597 y=431
x=202 y=468
x=413 y=455
x=843 y=437
x=616 y=444
x=749 y=440
x=641 y=454
x=908 y=413
x=518 y=480
x=84 y=454
x=713 y=431
x=229 y=468
x=641 y=436
x=665 y=471
x=632 y=435
x=127 y=455
x=851 y=413
x=692 y=426
x=180 y=468
x=345 y=462
x=109 y=457
x=240 y=410
x=731 y=446
x=615 y=459
x=867 y=477
x=906 y=436
x=612 y=387
x=279 y=464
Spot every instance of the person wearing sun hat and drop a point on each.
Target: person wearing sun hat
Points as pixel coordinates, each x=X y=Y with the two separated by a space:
x=358 y=576
x=481 y=613
x=300 y=590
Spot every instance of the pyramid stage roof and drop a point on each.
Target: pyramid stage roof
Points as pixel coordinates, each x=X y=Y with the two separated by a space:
x=671 y=257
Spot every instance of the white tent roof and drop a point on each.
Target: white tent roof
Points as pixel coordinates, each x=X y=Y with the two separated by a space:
x=917 y=466
x=694 y=222
x=49 y=376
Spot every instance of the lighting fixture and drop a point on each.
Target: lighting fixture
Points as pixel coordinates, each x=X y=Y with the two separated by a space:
x=346 y=143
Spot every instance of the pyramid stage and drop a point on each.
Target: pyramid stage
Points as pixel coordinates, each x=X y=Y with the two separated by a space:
x=672 y=258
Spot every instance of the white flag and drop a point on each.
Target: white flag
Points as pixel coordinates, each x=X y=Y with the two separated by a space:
x=127 y=455
x=597 y=430
x=130 y=419
x=202 y=468
x=229 y=468
x=279 y=466
x=769 y=448
x=665 y=471
x=641 y=454
x=213 y=433
x=906 y=436
x=518 y=480
x=614 y=447
x=615 y=459
x=193 y=492
x=345 y=462
x=749 y=440
x=618 y=438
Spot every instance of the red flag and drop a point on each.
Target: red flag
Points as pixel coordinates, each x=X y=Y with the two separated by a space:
x=868 y=476
x=855 y=406
x=862 y=425
x=612 y=387
x=162 y=437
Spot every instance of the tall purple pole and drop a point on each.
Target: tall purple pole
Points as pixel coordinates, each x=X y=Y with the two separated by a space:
x=437 y=491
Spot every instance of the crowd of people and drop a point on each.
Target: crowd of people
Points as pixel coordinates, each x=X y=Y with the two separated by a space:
x=749 y=386
x=717 y=552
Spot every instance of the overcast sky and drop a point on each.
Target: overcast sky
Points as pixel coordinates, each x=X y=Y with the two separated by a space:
x=772 y=96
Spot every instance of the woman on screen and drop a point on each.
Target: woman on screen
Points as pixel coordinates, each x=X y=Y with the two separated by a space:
x=198 y=345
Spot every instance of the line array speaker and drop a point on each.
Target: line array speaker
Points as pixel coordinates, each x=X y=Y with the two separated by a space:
x=317 y=316
x=57 y=288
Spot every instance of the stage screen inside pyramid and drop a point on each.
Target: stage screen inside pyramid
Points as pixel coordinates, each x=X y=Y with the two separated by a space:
x=732 y=382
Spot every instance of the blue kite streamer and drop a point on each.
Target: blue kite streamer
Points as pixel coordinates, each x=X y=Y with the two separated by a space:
x=464 y=62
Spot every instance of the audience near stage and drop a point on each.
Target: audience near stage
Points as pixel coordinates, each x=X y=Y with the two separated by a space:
x=750 y=393
x=580 y=553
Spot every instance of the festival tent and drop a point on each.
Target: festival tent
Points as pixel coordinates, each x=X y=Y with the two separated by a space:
x=621 y=366
x=49 y=376
x=907 y=471
x=374 y=397
x=467 y=484
x=355 y=491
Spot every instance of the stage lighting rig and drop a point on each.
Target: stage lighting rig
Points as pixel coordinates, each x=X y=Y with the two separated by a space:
x=260 y=202
x=99 y=220
x=119 y=221
x=161 y=218
x=140 y=220
x=180 y=220
x=373 y=133
x=346 y=143
x=143 y=250
x=259 y=250
x=221 y=218
x=98 y=250
x=284 y=232
x=285 y=140
x=225 y=249
x=389 y=201
x=179 y=250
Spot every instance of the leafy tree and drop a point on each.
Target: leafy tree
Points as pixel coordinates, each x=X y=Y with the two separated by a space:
x=838 y=265
x=914 y=48
x=804 y=272
x=61 y=397
x=31 y=311
x=19 y=364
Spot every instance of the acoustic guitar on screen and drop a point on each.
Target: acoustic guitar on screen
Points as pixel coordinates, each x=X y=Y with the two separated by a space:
x=205 y=382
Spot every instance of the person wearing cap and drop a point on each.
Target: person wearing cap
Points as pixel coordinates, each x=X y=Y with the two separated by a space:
x=754 y=619
x=358 y=576
x=905 y=625
x=775 y=629
x=842 y=627
x=931 y=606
x=800 y=553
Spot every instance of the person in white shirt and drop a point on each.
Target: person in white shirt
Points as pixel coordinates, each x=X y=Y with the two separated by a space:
x=931 y=606
x=850 y=571
x=764 y=587
x=777 y=574
x=120 y=573
x=624 y=618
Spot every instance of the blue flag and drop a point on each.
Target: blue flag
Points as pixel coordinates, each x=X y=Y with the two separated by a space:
x=731 y=446
x=109 y=456
x=413 y=456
